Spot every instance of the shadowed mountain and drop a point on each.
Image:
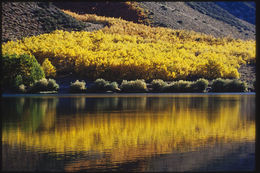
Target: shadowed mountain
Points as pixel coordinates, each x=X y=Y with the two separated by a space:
x=242 y=10
x=206 y=17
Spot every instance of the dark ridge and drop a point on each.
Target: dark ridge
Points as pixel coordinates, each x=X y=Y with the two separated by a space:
x=109 y=9
x=242 y=10
x=216 y=12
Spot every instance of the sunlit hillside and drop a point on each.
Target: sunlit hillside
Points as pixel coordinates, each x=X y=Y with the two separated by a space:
x=125 y=50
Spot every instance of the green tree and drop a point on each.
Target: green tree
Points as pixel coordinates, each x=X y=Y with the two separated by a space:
x=20 y=69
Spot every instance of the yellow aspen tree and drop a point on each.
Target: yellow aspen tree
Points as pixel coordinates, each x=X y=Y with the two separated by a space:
x=48 y=68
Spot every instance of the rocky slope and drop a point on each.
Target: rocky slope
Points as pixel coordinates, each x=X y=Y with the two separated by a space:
x=22 y=19
x=234 y=19
x=205 y=17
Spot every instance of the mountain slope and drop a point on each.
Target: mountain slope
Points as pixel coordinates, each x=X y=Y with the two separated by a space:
x=219 y=19
x=205 y=17
x=242 y=10
x=216 y=18
x=22 y=19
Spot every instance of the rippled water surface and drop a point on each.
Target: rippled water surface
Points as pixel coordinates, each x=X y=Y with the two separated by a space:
x=129 y=133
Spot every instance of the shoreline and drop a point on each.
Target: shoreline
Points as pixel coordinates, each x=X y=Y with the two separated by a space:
x=5 y=95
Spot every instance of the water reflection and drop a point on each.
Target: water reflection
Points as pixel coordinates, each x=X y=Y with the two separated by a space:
x=106 y=133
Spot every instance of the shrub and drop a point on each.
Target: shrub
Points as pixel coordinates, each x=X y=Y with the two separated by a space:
x=184 y=86
x=78 y=86
x=227 y=85
x=52 y=85
x=38 y=86
x=44 y=85
x=20 y=69
x=133 y=86
x=21 y=88
x=48 y=68
x=218 y=85
x=179 y=86
x=158 y=85
x=200 y=85
x=101 y=85
x=236 y=86
x=171 y=87
x=113 y=86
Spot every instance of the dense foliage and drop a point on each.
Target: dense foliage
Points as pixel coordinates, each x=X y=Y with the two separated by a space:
x=126 y=50
x=48 y=68
x=20 y=69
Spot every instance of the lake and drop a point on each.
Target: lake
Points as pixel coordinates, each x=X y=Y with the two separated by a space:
x=128 y=132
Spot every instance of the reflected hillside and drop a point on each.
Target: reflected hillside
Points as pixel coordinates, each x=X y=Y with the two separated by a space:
x=125 y=129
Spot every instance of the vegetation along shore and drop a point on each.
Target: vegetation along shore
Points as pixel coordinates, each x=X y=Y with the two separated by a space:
x=125 y=56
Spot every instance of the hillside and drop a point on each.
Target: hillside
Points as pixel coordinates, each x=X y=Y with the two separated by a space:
x=242 y=10
x=216 y=18
x=205 y=17
x=23 y=19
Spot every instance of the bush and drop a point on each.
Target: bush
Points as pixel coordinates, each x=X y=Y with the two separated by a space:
x=158 y=85
x=20 y=69
x=200 y=85
x=21 y=88
x=236 y=86
x=78 y=86
x=179 y=86
x=227 y=85
x=133 y=86
x=44 y=85
x=38 y=86
x=101 y=85
x=52 y=85
x=218 y=85
x=184 y=86
x=113 y=86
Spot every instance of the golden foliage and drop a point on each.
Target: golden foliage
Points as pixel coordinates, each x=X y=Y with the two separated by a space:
x=125 y=50
x=48 y=68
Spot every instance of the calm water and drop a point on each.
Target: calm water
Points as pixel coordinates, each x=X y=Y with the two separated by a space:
x=129 y=133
